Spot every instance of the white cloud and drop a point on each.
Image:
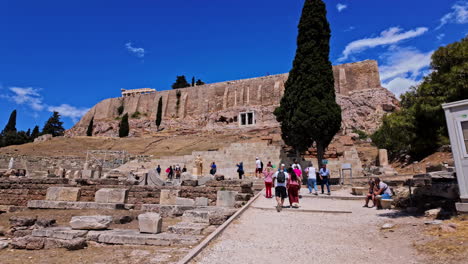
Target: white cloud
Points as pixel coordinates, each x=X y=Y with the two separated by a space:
x=26 y=95
x=139 y=52
x=31 y=97
x=399 y=85
x=400 y=62
x=440 y=36
x=392 y=35
x=459 y=15
x=403 y=68
x=69 y=111
x=341 y=7
x=351 y=28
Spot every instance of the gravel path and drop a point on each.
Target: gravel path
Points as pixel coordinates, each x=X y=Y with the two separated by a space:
x=262 y=235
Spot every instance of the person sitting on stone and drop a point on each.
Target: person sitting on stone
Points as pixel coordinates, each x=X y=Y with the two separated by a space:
x=381 y=191
x=370 y=194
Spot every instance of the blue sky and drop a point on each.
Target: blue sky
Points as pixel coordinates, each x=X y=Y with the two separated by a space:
x=69 y=55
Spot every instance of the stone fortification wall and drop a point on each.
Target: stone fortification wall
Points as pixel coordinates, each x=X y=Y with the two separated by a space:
x=217 y=106
x=19 y=191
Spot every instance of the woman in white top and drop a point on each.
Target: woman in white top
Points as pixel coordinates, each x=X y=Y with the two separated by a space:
x=312 y=178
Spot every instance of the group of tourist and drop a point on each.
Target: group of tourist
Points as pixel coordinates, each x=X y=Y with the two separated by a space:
x=172 y=172
x=287 y=182
x=377 y=190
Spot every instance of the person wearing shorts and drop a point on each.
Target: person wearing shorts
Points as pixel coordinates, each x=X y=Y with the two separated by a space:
x=280 y=189
x=382 y=191
x=258 y=167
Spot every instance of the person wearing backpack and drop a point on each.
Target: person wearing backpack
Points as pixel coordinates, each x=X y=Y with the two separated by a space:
x=281 y=177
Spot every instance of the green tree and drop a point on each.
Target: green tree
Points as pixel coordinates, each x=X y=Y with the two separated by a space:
x=35 y=133
x=180 y=82
x=308 y=111
x=11 y=125
x=54 y=126
x=89 y=131
x=193 y=81
x=420 y=126
x=159 y=113
x=124 y=128
x=199 y=82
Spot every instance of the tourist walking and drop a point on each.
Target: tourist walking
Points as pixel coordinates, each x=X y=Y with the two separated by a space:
x=177 y=171
x=268 y=178
x=213 y=168
x=381 y=191
x=168 y=173
x=258 y=167
x=281 y=177
x=296 y=165
x=240 y=169
x=312 y=178
x=325 y=177
x=158 y=169
x=184 y=169
x=293 y=189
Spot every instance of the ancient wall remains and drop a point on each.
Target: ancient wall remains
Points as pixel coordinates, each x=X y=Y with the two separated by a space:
x=203 y=106
x=19 y=191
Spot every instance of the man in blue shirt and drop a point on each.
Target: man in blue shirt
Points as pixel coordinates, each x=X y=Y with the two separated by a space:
x=324 y=177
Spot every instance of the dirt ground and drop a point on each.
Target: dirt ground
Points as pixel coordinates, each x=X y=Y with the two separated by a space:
x=161 y=144
x=262 y=235
x=420 y=167
x=95 y=252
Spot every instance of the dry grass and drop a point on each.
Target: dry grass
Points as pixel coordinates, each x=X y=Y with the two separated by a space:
x=447 y=247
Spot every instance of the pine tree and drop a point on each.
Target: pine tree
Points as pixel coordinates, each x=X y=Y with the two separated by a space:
x=308 y=111
x=54 y=126
x=180 y=82
x=89 y=132
x=159 y=113
x=28 y=133
x=35 y=132
x=199 y=82
x=11 y=125
x=124 y=128
x=193 y=81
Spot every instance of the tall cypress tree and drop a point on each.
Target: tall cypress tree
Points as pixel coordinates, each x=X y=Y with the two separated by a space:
x=35 y=133
x=159 y=113
x=11 y=125
x=124 y=128
x=54 y=126
x=89 y=131
x=308 y=111
x=193 y=81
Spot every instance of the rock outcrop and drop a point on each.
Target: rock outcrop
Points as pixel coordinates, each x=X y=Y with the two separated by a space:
x=218 y=106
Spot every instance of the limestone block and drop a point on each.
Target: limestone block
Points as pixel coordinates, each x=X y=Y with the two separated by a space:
x=196 y=216
x=77 y=174
x=201 y=201
x=226 y=198
x=59 y=232
x=154 y=179
x=150 y=223
x=87 y=174
x=204 y=179
x=185 y=201
x=168 y=197
x=44 y=204
x=63 y=194
x=386 y=203
x=133 y=237
x=383 y=157
x=111 y=195
x=187 y=228
x=92 y=222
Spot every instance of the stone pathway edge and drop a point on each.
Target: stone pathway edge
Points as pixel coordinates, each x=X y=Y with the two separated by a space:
x=196 y=250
